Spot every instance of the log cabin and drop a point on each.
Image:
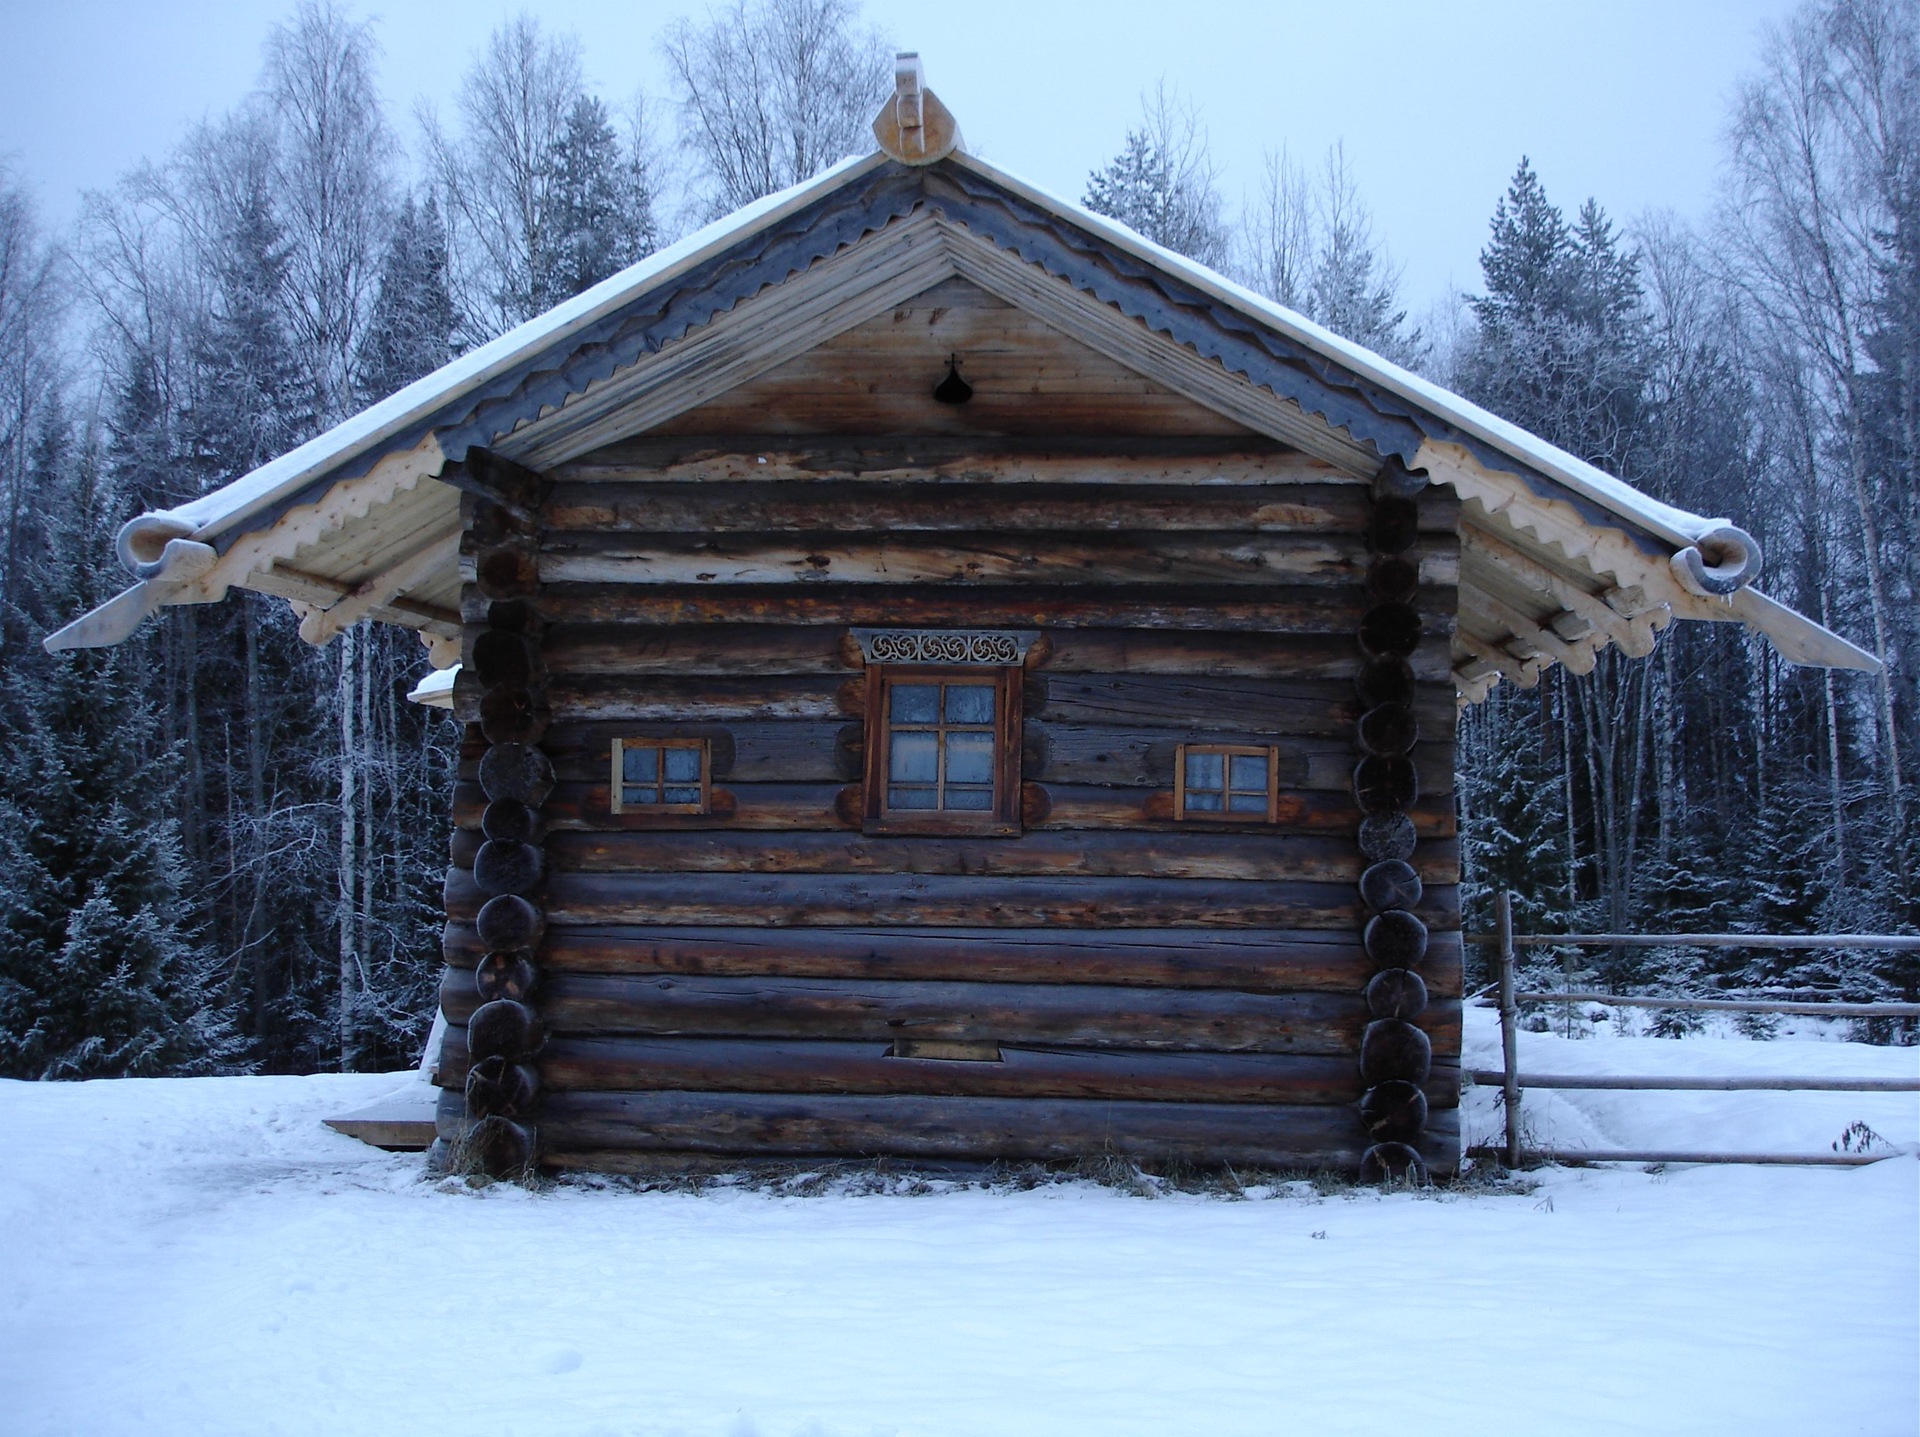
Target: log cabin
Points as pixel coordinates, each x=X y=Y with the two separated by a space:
x=945 y=678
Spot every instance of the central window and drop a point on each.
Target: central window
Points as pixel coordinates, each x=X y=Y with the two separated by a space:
x=942 y=749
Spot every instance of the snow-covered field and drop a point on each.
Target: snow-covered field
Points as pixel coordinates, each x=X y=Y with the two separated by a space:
x=202 y=1256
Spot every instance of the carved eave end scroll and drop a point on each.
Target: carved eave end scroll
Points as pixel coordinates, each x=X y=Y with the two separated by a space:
x=914 y=127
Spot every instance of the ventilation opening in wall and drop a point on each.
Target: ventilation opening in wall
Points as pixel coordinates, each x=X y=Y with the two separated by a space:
x=945 y=1050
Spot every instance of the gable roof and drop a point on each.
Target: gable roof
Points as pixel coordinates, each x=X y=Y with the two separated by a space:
x=1558 y=557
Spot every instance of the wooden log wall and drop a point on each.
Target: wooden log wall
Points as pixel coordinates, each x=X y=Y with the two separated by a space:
x=503 y=685
x=737 y=982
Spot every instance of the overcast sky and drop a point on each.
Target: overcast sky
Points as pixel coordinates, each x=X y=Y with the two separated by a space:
x=1624 y=100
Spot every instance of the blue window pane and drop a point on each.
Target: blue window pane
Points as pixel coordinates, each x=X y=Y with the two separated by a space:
x=972 y=800
x=916 y=703
x=970 y=758
x=682 y=795
x=1200 y=800
x=1239 y=802
x=1204 y=770
x=640 y=765
x=913 y=757
x=1250 y=772
x=969 y=703
x=910 y=798
x=683 y=764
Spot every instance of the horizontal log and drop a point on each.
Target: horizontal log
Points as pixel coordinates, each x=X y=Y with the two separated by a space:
x=815 y=751
x=1202 y=609
x=799 y=1066
x=1280 y=960
x=1324 y=707
x=777 y=807
x=892 y=459
x=784 y=649
x=1257 y=857
x=1070 y=1014
x=912 y=900
x=779 y=507
x=973 y=557
x=578 y=1128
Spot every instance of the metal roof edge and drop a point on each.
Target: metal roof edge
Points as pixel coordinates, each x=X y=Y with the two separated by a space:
x=232 y=504
x=1676 y=526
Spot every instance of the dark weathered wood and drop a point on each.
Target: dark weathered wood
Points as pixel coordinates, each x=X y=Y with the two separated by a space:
x=500 y=1146
x=1386 y=785
x=1396 y=993
x=1389 y=729
x=508 y=820
x=500 y=657
x=511 y=571
x=505 y=921
x=504 y=975
x=1198 y=459
x=779 y=807
x=516 y=771
x=970 y=557
x=575 y=1125
x=504 y=865
x=1397 y=939
x=1389 y=835
x=782 y=507
x=1072 y=1014
x=496 y=1087
x=1394 y=525
x=1315 y=609
x=1392 y=579
x=1390 y=631
x=1391 y=884
x=1263 y=857
x=831 y=900
x=1394 y=1048
x=511 y=715
x=1296 y=960
x=1395 y=1111
x=823 y=1066
x=752 y=751
x=503 y=1028
x=767 y=650
x=1387 y=680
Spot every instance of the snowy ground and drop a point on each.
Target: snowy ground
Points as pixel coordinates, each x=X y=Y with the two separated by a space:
x=201 y=1256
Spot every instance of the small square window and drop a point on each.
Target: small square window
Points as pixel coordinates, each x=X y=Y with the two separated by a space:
x=661 y=775
x=1226 y=782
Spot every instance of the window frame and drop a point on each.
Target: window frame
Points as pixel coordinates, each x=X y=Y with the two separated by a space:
x=1003 y=818
x=617 y=776
x=1225 y=814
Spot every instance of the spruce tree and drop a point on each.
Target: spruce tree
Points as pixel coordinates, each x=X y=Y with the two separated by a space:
x=103 y=972
x=411 y=330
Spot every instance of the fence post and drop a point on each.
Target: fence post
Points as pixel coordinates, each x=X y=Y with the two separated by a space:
x=1509 y=1022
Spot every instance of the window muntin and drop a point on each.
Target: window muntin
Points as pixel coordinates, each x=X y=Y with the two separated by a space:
x=661 y=775
x=1229 y=783
x=940 y=736
x=943 y=749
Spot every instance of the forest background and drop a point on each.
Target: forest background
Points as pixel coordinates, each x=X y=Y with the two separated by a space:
x=221 y=849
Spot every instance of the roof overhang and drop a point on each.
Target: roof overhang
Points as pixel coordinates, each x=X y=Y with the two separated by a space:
x=1559 y=559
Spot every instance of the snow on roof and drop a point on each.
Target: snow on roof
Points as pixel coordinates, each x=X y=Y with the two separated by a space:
x=231 y=504
x=174 y=551
x=1675 y=525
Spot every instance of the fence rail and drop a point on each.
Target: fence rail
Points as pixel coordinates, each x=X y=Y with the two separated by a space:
x=1512 y=1081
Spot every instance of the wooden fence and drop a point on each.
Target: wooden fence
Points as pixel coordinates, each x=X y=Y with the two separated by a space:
x=1512 y=1081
